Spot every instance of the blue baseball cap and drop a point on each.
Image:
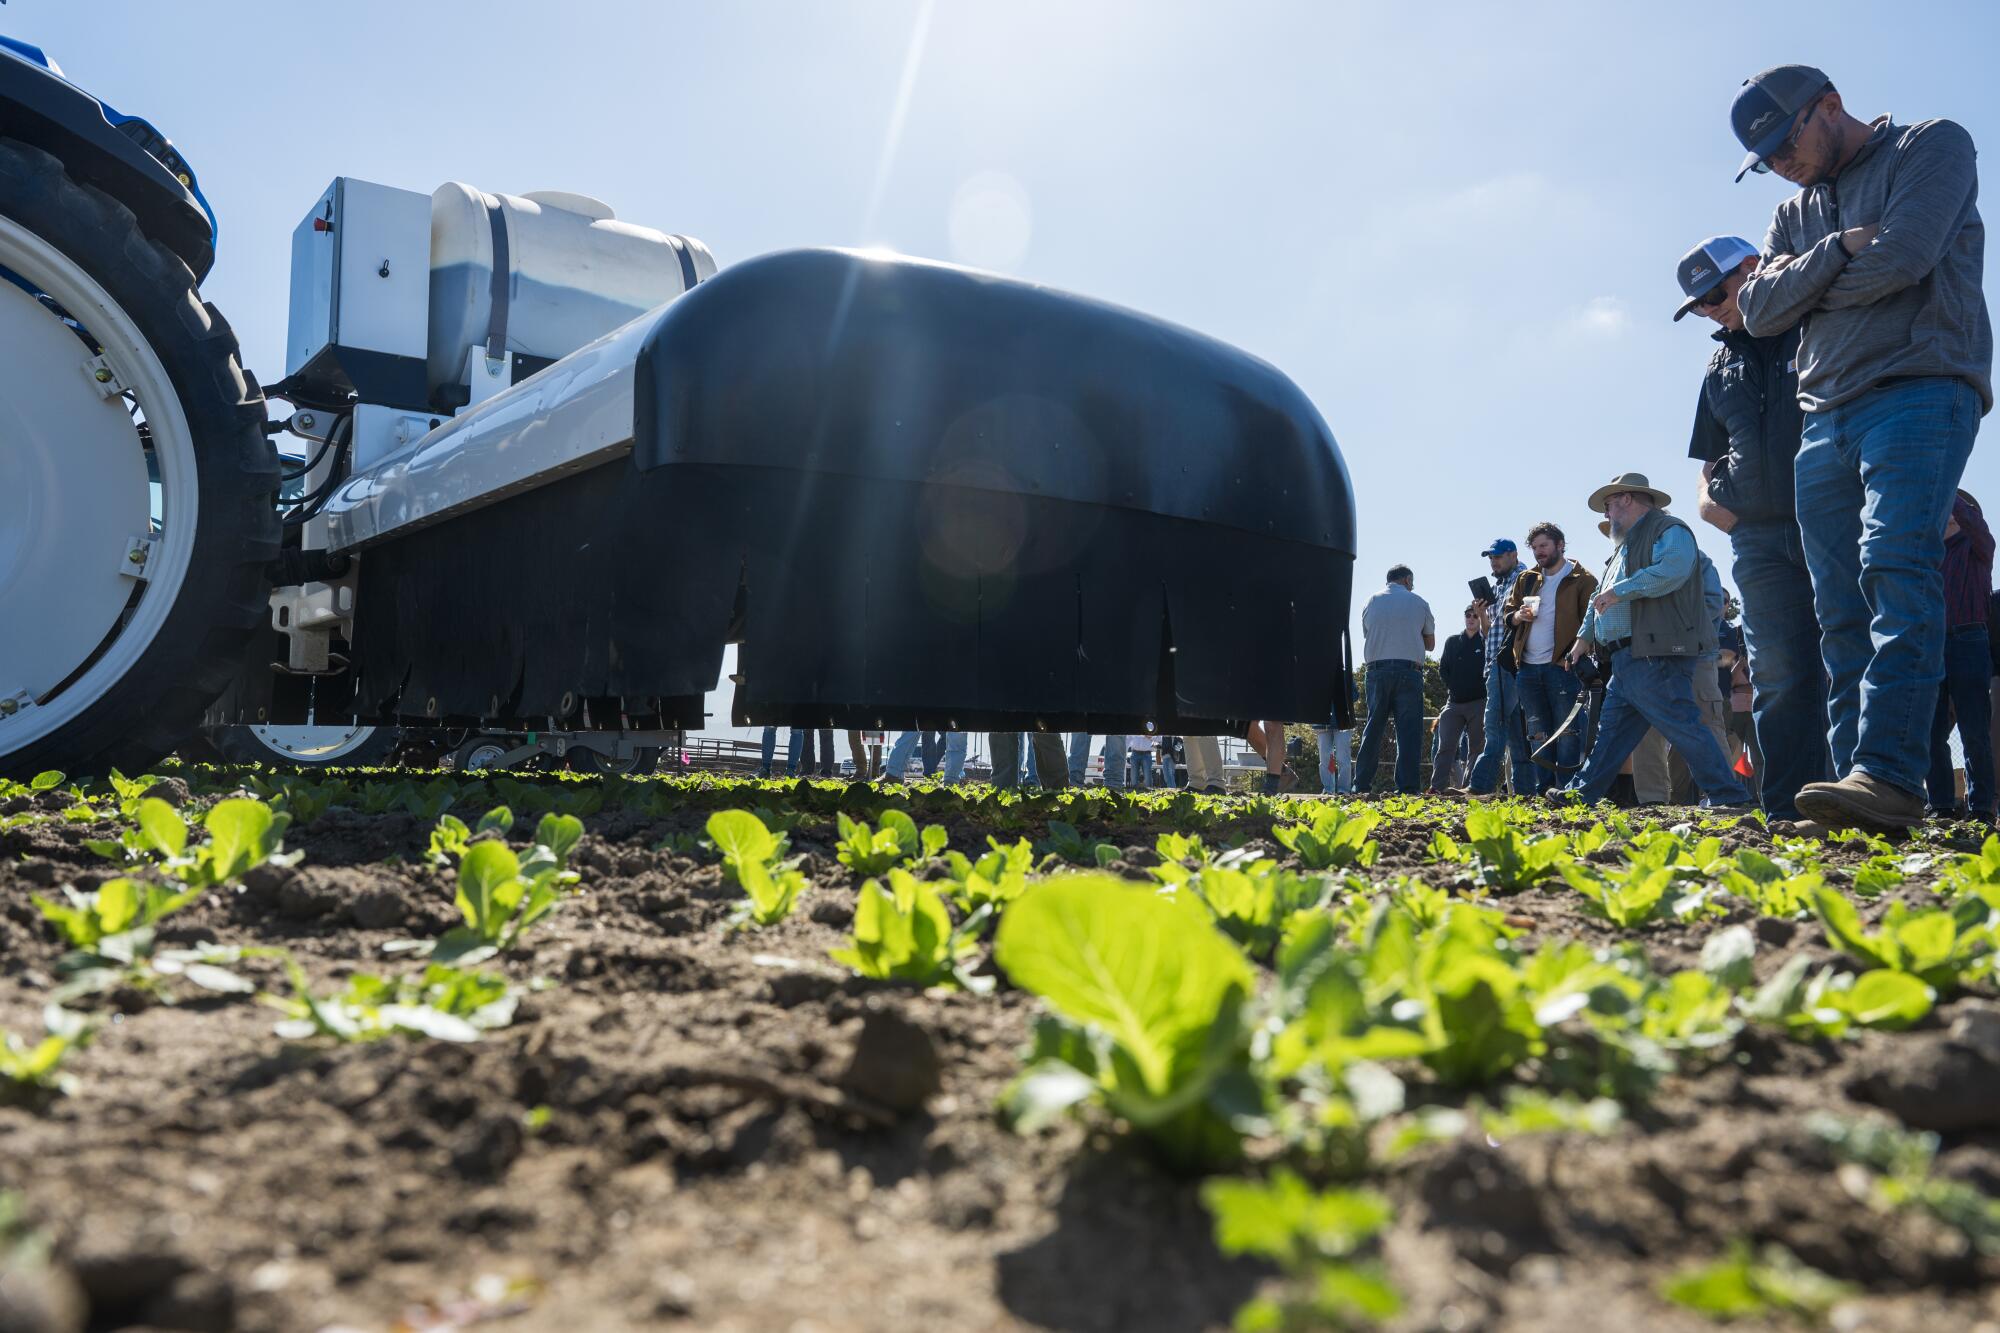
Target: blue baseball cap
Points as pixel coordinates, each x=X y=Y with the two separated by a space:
x=1765 y=112
x=1500 y=546
x=1707 y=264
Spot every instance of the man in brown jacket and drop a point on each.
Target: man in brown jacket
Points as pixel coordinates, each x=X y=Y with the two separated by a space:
x=1544 y=609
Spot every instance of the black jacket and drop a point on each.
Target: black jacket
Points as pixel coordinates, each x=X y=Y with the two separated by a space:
x=1463 y=666
x=1748 y=423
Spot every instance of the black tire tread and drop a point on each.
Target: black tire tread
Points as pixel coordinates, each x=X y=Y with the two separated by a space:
x=204 y=641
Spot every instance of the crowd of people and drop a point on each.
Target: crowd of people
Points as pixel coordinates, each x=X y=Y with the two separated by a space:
x=1852 y=364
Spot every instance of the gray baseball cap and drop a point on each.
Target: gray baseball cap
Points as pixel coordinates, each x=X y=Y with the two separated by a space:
x=1767 y=109
x=1708 y=264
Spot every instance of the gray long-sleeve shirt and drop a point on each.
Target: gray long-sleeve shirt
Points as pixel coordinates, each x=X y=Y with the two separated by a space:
x=1910 y=303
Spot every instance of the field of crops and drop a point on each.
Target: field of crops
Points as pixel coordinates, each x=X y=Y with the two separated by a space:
x=414 y=1051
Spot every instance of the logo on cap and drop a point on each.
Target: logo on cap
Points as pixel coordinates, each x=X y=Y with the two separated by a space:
x=1698 y=275
x=1757 y=125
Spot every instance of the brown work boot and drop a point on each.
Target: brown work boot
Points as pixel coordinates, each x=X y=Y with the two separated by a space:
x=1861 y=800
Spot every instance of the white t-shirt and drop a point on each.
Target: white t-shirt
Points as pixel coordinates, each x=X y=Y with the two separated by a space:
x=1542 y=629
x=1143 y=743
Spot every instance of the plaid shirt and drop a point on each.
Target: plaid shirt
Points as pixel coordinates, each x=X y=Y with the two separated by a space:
x=1496 y=629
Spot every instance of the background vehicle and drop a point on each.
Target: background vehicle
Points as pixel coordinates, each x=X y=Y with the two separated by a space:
x=553 y=462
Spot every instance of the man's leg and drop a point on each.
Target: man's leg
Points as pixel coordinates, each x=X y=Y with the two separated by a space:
x=1006 y=758
x=1941 y=780
x=1827 y=481
x=1444 y=755
x=1379 y=695
x=1410 y=731
x=1911 y=441
x=1323 y=738
x=1652 y=776
x=860 y=753
x=794 y=742
x=1968 y=666
x=1051 y=763
x=1204 y=755
x=954 y=757
x=1663 y=692
x=1539 y=718
x=1114 y=762
x=768 y=751
x=1787 y=673
x=1619 y=728
x=1079 y=757
x=1343 y=760
x=1485 y=774
x=898 y=763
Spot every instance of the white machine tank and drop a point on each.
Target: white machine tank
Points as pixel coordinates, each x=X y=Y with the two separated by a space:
x=573 y=273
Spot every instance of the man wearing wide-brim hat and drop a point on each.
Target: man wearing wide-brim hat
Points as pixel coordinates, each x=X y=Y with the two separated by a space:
x=1651 y=618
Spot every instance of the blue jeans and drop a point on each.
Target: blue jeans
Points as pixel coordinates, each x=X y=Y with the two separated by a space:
x=1336 y=758
x=1114 y=759
x=954 y=756
x=1656 y=692
x=1968 y=666
x=1876 y=477
x=1395 y=692
x=794 y=739
x=1787 y=679
x=1548 y=692
x=897 y=766
x=1503 y=729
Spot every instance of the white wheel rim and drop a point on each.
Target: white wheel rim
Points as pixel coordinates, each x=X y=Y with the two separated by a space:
x=482 y=756
x=45 y=482
x=313 y=745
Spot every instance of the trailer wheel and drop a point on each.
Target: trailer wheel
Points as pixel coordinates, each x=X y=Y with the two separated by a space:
x=480 y=752
x=307 y=746
x=642 y=762
x=136 y=484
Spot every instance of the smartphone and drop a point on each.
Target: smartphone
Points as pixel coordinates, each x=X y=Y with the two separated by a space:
x=1482 y=588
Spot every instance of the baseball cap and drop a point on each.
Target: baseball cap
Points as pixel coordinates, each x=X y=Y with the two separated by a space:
x=1707 y=264
x=1762 y=113
x=1500 y=546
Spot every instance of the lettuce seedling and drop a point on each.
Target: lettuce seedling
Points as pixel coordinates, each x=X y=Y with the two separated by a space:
x=443 y=1002
x=1312 y=1237
x=997 y=878
x=1632 y=898
x=1065 y=842
x=1253 y=902
x=750 y=855
x=113 y=943
x=1828 y=1003
x=1773 y=889
x=1332 y=836
x=1503 y=858
x=1741 y=1285
x=31 y=1072
x=242 y=834
x=904 y=933
x=1897 y=1171
x=1149 y=1001
x=1944 y=949
x=451 y=837
x=500 y=897
x=874 y=851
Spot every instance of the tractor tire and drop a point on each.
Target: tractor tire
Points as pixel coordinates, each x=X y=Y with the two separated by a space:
x=306 y=747
x=642 y=762
x=118 y=684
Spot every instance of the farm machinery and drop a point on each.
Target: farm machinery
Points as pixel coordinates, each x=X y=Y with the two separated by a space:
x=542 y=465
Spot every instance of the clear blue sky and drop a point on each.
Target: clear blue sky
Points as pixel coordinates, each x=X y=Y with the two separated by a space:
x=1454 y=225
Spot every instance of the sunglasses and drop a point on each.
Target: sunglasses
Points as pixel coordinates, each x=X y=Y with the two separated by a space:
x=1712 y=298
x=1783 y=151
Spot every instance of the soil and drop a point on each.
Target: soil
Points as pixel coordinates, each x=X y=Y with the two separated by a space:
x=695 y=1126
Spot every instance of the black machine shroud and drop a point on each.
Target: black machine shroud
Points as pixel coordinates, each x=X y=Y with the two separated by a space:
x=915 y=495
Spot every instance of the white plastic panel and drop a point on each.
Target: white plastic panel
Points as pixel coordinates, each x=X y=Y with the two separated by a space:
x=575 y=414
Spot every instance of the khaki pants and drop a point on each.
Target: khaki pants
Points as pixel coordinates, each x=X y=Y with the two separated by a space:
x=1660 y=776
x=1204 y=761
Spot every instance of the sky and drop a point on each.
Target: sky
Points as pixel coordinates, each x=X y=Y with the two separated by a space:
x=1454 y=225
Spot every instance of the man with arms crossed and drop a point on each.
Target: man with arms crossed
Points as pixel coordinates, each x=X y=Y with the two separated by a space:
x=1503 y=703
x=1876 y=262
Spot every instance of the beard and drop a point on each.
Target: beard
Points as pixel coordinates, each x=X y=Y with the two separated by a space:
x=1552 y=564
